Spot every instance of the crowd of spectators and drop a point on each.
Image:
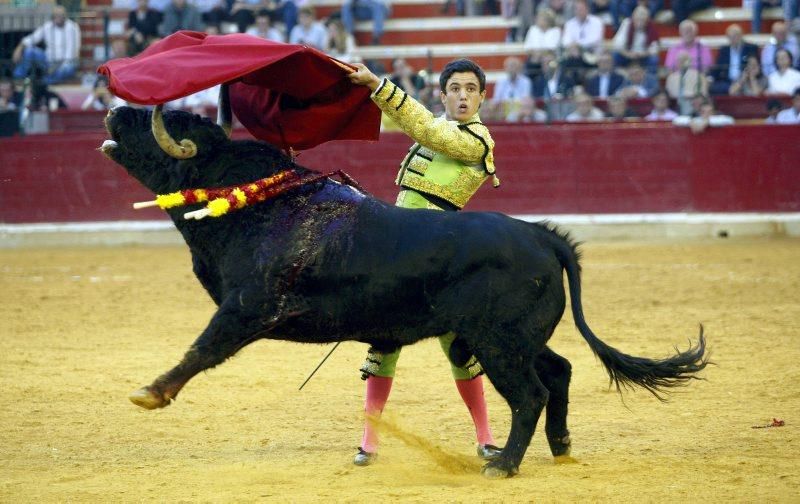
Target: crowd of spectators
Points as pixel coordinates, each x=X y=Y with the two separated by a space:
x=568 y=65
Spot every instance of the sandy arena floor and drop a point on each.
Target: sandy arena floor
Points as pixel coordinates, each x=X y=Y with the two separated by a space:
x=82 y=328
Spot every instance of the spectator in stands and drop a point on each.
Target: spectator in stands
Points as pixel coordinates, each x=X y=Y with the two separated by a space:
x=785 y=79
x=404 y=77
x=752 y=82
x=521 y=11
x=119 y=48
x=621 y=9
x=142 y=27
x=212 y=12
x=618 y=109
x=10 y=98
x=550 y=83
x=59 y=59
x=606 y=81
x=243 y=12
x=685 y=8
x=158 y=5
x=773 y=109
x=637 y=40
x=263 y=28
x=542 y=36
x=339 y=43
x=308 y=30
x=600 y=8
x=661 y=110
x=39 y=97
x=791 y=115
x=699 y=53
x=584 y=30
x=731 y=61
x=510 y=89
x=180 y=15
x=685 y=83
x=576 y=64
x=101 y=98
x=287 y=11
x=789 y=11
x=585 y=111
x=527 y=113
x=476 y=7
x=638 y=84
x=706 y=116
x=563 y=9
x=514 y=85
x=376 y=10
x=781 y=39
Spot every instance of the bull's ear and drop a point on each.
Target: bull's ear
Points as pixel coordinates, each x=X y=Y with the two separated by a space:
x=224 y=114
x=185 y=150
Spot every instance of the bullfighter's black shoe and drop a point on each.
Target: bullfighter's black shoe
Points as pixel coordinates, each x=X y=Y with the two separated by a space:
x=363 y=458
x=489 y=452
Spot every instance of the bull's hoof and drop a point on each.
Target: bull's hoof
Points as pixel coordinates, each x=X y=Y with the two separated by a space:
x=148 y=399
x=498 y=469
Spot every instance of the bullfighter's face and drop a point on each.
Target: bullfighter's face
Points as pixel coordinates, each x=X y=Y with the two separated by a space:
x=133 y=146
x=462 y=96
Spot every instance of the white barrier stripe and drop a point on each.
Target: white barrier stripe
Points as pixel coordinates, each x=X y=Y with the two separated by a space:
x=575 y=219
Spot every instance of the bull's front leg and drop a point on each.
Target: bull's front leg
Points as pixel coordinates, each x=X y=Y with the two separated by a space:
x=235 y=324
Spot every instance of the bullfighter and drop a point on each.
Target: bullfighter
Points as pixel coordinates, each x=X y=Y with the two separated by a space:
x=450 y=159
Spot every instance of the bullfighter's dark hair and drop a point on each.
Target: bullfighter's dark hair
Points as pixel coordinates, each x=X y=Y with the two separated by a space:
x=461 y=65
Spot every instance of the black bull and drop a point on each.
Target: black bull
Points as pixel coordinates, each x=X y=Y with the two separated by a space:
x=325 y=263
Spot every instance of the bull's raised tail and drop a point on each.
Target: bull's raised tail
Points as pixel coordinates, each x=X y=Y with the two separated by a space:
x=625 y=370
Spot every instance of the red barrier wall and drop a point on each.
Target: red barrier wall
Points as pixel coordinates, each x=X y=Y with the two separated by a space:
x=610 y=168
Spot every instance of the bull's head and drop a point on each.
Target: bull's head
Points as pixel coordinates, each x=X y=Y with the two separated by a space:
x=217 y=161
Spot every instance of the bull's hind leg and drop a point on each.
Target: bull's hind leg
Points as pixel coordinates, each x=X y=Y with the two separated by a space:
x=555 y=372
x=230 y=329
x=515 y=378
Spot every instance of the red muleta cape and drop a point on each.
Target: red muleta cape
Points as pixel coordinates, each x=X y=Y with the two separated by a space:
x=285 y=94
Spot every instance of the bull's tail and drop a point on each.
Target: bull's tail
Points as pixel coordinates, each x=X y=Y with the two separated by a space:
x=624 y=370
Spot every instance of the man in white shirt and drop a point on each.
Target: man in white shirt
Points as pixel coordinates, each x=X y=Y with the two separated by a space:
x=59 y=59
x=790 y=115
x=585 y=30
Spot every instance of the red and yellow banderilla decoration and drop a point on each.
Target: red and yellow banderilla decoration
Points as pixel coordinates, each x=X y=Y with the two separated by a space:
x=223 y=200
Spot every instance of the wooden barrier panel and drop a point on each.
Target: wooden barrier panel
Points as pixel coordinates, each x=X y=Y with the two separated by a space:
x=566 y=168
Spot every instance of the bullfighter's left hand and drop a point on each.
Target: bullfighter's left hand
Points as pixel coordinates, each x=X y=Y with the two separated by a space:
x=364 y=77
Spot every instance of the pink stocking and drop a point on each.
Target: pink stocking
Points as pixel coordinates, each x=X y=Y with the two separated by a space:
x=378 y=388
x=472 y=393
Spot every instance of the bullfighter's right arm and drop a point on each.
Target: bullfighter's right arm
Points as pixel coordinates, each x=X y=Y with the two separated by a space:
x=437 y=134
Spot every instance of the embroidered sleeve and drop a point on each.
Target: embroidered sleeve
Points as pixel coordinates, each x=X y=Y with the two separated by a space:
x=470 y=143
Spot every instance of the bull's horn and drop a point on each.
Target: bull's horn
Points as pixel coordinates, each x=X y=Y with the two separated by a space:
x=224 y=114
x=185 y=150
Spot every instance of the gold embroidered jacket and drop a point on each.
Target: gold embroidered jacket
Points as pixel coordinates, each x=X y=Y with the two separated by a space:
x=449 y=160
